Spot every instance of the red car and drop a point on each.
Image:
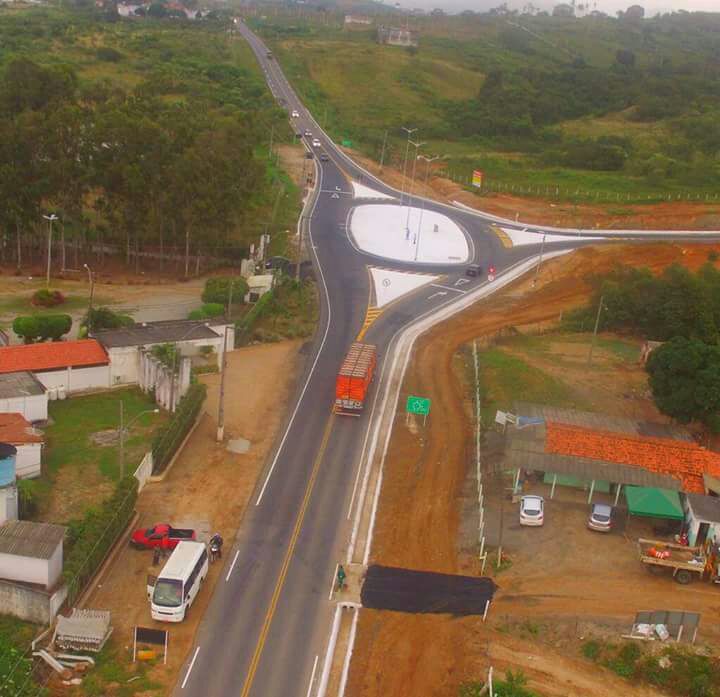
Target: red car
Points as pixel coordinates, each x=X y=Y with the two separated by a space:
x=160 y=536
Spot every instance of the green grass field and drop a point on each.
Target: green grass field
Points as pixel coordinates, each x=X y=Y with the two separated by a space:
x=360 y=90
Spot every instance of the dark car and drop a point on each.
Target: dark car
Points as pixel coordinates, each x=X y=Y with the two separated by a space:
x=277 y=263
x=324 y=157
x=473 y=270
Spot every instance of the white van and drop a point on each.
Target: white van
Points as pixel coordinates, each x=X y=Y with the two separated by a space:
x=179 y=582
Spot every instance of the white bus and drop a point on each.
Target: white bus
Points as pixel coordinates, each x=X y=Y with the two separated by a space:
x=179 y=582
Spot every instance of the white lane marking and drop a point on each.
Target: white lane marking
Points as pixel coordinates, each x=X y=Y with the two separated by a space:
x=455 y=290
x=312 y=676
x=232 y=566
x=317 y=356
x=332 y=585
x=189 y=670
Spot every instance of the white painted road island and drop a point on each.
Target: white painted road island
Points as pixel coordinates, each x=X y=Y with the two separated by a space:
x=409 y=235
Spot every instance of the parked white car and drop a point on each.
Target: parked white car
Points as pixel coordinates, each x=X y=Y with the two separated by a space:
x=532 y=510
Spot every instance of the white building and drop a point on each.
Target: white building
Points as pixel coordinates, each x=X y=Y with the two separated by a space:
x=192 y=338
x=69 y=366
x=258 y=286
x=702 y=518
x=18 y=432
x=31 y=553
x=23 y=393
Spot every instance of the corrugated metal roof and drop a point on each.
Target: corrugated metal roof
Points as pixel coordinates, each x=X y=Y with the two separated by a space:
x=602 y=422
x=20 y=384
x=705 y=508
x=24 y=538
x=165 y=331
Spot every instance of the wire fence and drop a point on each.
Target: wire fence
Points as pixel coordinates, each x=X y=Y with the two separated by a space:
x=576 y=193
x=478 y=460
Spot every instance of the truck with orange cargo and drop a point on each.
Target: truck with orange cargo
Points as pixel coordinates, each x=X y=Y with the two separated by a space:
x=354 y=379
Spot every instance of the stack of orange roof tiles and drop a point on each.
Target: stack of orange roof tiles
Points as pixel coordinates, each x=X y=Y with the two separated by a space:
x=684 y=460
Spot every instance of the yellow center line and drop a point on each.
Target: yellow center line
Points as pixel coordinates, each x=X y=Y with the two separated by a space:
x=286 y=562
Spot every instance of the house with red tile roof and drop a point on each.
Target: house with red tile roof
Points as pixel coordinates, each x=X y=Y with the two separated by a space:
x=61 y=366
x=16 y=430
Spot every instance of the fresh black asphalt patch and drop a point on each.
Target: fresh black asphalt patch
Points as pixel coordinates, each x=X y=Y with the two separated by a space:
x=405 y=590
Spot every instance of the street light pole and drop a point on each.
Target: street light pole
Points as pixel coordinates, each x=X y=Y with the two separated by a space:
x=382 y=154
x=428 y=160
x=221 y=397
x=409 y=132
x=412 y=184
x=91 y=280
x=51 y=219
x=540 y=261
x=123 y=428
x=595 y=331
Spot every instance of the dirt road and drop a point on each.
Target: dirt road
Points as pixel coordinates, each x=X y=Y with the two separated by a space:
x=418 y=523
x=207 y=488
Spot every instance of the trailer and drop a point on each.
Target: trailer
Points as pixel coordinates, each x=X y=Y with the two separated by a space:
x=681 y=560
x=354 y=378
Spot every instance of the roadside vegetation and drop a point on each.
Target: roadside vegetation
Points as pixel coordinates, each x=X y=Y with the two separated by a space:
x=675 y=670
x=16 y=669
x=514 y=685
x=144 y=138
x=679 y=308
x=591 y=108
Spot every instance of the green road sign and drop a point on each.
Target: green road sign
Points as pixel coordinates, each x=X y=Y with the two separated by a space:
x=347 y=143
x=418 y=405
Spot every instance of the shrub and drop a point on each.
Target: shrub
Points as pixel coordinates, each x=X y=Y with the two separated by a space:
x=168 y=438
x=591 y=649
x=208 y=311
x=42 y=327
x=108 y=54
x=47 y=298
x=217 y=289
x=90 y=537
x=27 y=498
x=104 y=318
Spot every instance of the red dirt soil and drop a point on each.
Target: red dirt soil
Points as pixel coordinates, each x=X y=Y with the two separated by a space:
x=419 y=517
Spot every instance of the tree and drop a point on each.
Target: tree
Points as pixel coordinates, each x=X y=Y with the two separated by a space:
x=625 y=57
x=104 y=318
x=217 y=289
x=27 y=328
x=35 y=328
x=685 y=381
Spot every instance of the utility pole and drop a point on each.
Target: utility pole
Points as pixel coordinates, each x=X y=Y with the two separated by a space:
x=540 y=261
x=92 y=291
x=409 y=132
x=299 y=254
x=382 y=155
x=51 y=219
x=595 y=331
x=502 y=515
x=221 y=404
x=122 y=440
x=412 y=184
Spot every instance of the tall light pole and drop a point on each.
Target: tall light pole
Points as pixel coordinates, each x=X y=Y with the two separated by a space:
x=91 y=280
x=221 y=396
x=428 y=160
x=412 y=183
x=537 y=268
x=123 y=428
x=382 y=155
x=409 y=132
x=51 y=219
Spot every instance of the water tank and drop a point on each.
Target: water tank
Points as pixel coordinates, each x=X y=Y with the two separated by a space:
x=7 y=464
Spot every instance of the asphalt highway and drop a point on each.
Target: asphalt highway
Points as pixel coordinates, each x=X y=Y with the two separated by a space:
x=269 y=615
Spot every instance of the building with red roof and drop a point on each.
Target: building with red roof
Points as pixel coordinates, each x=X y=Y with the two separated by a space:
x=16 y=430
x=63 y=366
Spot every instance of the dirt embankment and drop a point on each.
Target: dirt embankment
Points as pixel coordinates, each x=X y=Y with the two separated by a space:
x=418 y=523
x=677 y=215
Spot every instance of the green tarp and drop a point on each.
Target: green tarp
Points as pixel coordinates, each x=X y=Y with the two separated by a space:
x=653 y=503
x=576 y=482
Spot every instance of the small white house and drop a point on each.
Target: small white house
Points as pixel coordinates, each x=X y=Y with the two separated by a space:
x=702 y=518
x=31 y=553
x=69 y=366
x=191 y=337
x=23 y=393
x=16 y=430
x=258 y=286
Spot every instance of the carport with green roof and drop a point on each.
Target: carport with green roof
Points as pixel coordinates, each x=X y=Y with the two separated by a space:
x=651 y=502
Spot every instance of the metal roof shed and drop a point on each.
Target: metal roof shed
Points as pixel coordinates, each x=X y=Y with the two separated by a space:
x=654 y=503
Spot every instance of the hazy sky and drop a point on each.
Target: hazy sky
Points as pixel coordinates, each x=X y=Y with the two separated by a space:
x=609 y=6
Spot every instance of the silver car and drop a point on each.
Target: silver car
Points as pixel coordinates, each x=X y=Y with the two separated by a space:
x=532 y=510
x=600 y=517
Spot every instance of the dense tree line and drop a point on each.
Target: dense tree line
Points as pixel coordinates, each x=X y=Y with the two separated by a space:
x=129 y=168
x=681 y=309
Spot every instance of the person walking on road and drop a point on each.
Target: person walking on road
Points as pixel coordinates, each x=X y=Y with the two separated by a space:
x=341 y=576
